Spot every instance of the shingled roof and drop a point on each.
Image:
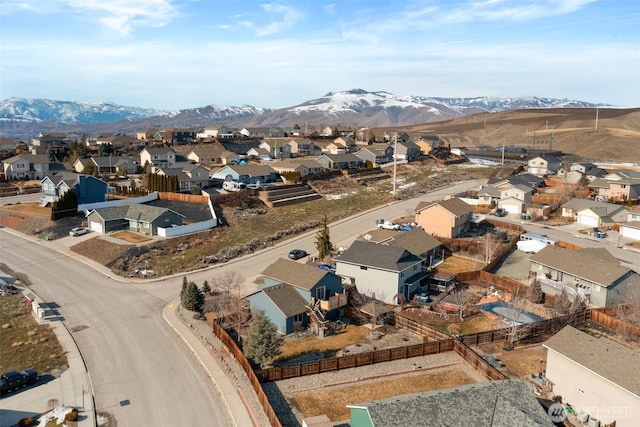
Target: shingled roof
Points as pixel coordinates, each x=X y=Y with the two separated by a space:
x=294 y=273
x=497 y=403
x=378 y=256
x=286 y=298
x=600 y=355
x=453 y=205
x=593 y=264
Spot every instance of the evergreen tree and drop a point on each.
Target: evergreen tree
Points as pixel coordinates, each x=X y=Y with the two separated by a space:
x=183 y=291
x=262 y=342
x=562 y=304
x=192 y=298
x=90 y=169
x=206 y=289
x=323 y=241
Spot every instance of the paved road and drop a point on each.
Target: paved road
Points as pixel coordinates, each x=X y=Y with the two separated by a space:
x=142 y=374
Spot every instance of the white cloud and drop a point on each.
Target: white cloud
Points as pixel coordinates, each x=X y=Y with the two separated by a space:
x=288 y=17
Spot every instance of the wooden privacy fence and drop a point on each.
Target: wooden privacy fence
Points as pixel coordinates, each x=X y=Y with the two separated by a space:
x=240 y=357
x=606 y=317
x=187 y=198
x=278 y=373
x=478 y=363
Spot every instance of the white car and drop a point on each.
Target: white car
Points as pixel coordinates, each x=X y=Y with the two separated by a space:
x=388 y=225
x=78 y=231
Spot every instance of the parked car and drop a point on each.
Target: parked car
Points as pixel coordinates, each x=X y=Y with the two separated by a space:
x=78 y=231
x=8 y=289
x=388 y=225
x=500 y=212
x=14 y=380
x=297 y=254
x=327 y=267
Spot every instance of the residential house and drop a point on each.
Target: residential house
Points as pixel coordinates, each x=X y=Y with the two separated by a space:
x=602 y=215
x=118 y=142
x=571 y=208
x=591 y=272
x=619 y=190
x=158 y=157
x=263 y=132
x=179 y=135
x=505 y=403
x=589 y=170
x=140 y=218
x=88 y=189
x=303 y=147
x=378 y=154
x=598 y=376
x=386 y=273
x=418 y=242
x=326 y=131
x=189 y=175
x=26 y=166
x=515 y=199
x=278 y=148
x=304 y=167
x=206 y=155
x=241 y=147
x=291 y=289
x=340 y=161
x=349 y=143
x=258 y=153
x=630 y=230
x=407 y=150
x=622 y=174
x=213 y=131
x=46 y=141
x=526 y=179
x=250 y=173
x=7 y=148
x=543 y=165
x=427 y=144
x=445 y=218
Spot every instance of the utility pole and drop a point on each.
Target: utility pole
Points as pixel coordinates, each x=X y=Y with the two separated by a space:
x=395 y=161
x=597 y=108
x=503 y=150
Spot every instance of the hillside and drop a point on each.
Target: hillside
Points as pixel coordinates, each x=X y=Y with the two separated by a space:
x=616 y=139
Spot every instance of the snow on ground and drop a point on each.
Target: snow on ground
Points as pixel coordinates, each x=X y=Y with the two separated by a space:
x=475 y=162
x=58 y=415
x=339 y=196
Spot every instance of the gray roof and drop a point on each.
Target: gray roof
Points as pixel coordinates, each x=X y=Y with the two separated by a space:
x=158 y=151
x=286 y=298
x=252 y=169
x=339 y=158
x=294 y=273
x=416 y=241
x=453 y=205
x=594 y=264
x=140 y=212
x=497 y=403
x=579 y=204
x=599 y=355
x=31 y=158
x=69 y=177
x=378 y=256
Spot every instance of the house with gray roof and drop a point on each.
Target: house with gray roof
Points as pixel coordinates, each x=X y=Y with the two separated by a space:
x=597 y=376
x=377 y=154
x=407 y=150
x=189 y=175
x=505 y=403
x=88 y=189
x=602 y=215
x=386 y=273
x=250 y=173
x=592 y=272
x=140 y=218
x=444 y=218
x=630 y=230
x=340 y=161
x=303 y=166
x=26 y=166
x=160 y=157
x=293 y=294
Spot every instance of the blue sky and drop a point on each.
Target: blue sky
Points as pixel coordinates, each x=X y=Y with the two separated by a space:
x=175 y=54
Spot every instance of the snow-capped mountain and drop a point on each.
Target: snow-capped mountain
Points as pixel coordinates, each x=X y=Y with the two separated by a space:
x=23 y=118
x=70 y=112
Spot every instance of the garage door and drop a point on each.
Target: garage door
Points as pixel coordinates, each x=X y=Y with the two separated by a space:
x=631 y=233
x=589 y=221
x=95 y=226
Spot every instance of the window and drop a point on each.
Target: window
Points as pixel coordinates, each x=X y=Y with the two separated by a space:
x=363 y=267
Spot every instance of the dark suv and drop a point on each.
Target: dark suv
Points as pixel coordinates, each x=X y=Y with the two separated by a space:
x=14 y=380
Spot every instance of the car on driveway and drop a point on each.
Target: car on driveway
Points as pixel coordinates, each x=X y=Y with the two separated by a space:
x=297 y=254
x=78 y=231
x=500 y=212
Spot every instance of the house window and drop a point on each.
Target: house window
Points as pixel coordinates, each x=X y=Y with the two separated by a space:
x=363 y=267
x=415 y=267
x=298 y=317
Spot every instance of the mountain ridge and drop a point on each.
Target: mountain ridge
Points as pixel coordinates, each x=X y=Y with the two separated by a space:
x=24 y=117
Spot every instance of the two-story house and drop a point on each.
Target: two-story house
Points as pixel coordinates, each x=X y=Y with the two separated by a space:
x=293 y=294
x=26 y=166
x=158 y=157
x=279 y=148
x=407 y=150
x=88 y=189
x=300 y=147
x=189 y=175
x=378 y=154
x=591 y=272
x=445 y=218
x=251 y=173
x=543 y=165
x=386 y=273
x=212 y=156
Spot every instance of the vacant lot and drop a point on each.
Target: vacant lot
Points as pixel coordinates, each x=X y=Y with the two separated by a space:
x=23 y=342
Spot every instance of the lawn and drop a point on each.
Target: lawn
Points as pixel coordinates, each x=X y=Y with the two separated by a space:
x=352 y=334
x=334 y=402
x=457 y=264
x=31 y=208
x=23 y=342
x=131 y=237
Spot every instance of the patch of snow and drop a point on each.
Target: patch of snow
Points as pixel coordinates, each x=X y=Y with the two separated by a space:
x=408 y=185
x=58 y=414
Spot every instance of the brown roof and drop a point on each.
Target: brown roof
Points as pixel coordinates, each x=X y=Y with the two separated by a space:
x=453 y=205
x=286 y=298
x=599 y=355
x=294 y=273
x=594 y=264
x=416 y=241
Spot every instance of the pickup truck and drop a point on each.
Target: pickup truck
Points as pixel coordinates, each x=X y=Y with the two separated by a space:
x=14 y=380
x=388 y=225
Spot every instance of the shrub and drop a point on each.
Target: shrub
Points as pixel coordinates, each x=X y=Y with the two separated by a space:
x=455 y=247
x=472 y=249
x=26 y=422
x=71 y=416
x=464 y=246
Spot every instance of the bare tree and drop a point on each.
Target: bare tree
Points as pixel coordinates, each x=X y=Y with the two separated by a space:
x=367 y=308
x=490 y=245
x=460 y=297
x=230 y=306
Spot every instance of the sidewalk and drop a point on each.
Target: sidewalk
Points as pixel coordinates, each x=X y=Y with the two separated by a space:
x=236 y=408
x=73 y=387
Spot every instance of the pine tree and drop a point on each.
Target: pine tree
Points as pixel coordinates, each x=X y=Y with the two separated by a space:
x=192 y=298
x=323 y=240
x=262 y=342
x=562 y=304
x=183 y=291
x=206 y=289
x=536 y=295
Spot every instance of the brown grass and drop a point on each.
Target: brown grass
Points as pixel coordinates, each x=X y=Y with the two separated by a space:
x=26 y=344
x=131 y=237
x=457 y=264
x=32 y=208
x=352 y=334
x=333 y=402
